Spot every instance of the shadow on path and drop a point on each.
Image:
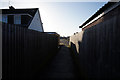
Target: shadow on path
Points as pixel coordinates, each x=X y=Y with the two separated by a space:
x=62 y=66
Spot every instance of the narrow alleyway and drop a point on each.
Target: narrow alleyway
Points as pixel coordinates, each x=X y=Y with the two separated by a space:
x=61 y=67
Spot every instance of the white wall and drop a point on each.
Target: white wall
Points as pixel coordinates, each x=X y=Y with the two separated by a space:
x=36 y=23
x=75 y=38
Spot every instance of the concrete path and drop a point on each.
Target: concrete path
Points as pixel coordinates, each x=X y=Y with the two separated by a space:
x=62 y=66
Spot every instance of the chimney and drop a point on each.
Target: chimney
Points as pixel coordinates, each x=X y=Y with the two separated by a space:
x=11 y=7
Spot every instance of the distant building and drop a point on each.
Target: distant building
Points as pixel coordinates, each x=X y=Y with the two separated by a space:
x=28 y=18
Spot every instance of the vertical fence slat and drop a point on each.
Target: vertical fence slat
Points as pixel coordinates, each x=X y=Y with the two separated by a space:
x=25 y=51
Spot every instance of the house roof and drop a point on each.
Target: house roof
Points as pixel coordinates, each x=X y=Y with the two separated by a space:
x=100 y=11
x=30 y=11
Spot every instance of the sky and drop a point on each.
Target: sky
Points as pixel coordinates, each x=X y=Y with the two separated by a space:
x=61 y=17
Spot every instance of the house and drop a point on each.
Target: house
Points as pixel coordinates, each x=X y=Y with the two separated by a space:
x=103 y=14
x=28 y=18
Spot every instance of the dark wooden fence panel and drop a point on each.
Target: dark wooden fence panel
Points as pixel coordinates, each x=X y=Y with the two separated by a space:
x=25 y=51
x=99 y=50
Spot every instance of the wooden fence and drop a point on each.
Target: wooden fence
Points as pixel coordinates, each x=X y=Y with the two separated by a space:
x=99 y=50
x=25 y=52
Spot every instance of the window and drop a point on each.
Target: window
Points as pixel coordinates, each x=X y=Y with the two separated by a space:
x=25 y=19
x=17 y=19
x=4 y=18
x=10 y=19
